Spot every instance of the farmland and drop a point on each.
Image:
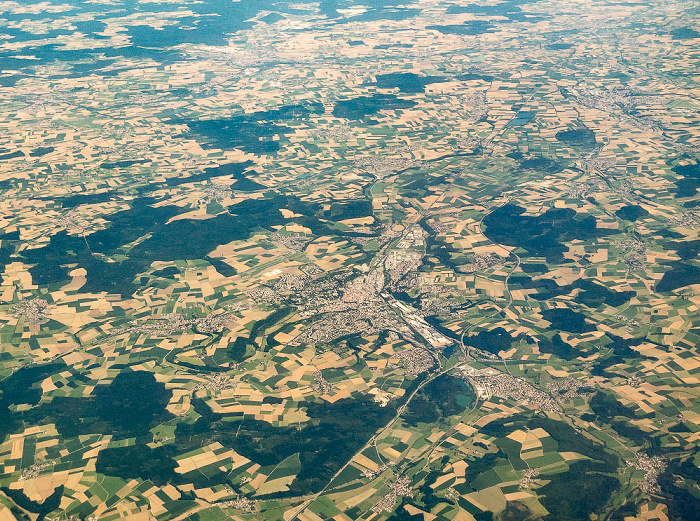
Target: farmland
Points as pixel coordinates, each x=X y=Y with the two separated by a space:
x=263 y=260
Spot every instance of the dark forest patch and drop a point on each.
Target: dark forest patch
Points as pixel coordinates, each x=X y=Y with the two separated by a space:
x=623 y=346
x=6 y=252
x=243 y=183
x=332 y=436
x=542 y=164
x=558 y=347
x=11 y=155
x=574 y=495
x=227 y=170
x=540 y=235
x=568 y=320
x=374 y=14
x=252 y=133
x=474 y=76
x=22 y=386
x=680 y=275
x=439 y=399
x=571 y=495
x=360 y=107
x=468 y=28
x=559 y=46
x=606 y=406
x=73 y=201
x=339 y=211
x=179 y=240
x=594 y=295
x=686 y=250
x=679 y=484
x=47 y=506
x=211 y=24
x=129 y=406
x=510 y=9
x=684 y=33
x=123 y=164
x=534 y=267
x=591 y=293
x=492 y=341
x=222 y=267
x=384 y=46
x=138 y=461
x=272 y=18
x=41 y=151
x=620 y=350
x=168 y=272
x=631 y=212
x=583 y=137
x=241 y=348
x=689 y=179
x=407 y=82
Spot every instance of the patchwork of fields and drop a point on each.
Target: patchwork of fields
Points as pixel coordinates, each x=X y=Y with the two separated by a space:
x=271 y=260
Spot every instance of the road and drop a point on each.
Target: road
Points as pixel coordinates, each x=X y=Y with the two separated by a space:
x=370 y=442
